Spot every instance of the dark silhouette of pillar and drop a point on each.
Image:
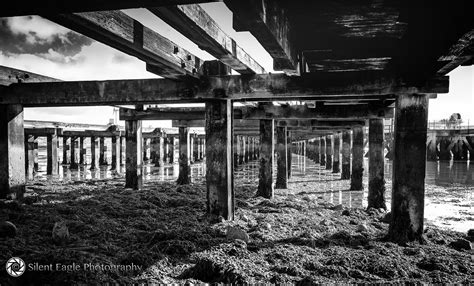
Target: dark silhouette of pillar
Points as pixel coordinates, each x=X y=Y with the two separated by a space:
x=346 y=155
x=282 y=158
x=357 y=158
x=376 y=196
x=265 y=182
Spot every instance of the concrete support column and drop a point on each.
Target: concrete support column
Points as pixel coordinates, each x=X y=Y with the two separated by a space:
x=35 y=155
x=74 y=154
x=431 y=149
x=376 y=196
x=134 y=154
x=329 y=152
x=317 y=151
x=121 y=150
x=195 y=153
x=265 y=184
x=444 y=152
x=82 y=151
x=115 y=153
x=288 y=152
x=29 y=156
x=102 y=152
x=65 y=148
x=337 y=152
x=166 y=148
x=52 y=154
x=408 y=186
x=346 y=155
x=12 y=152
x=357 y=158
x=199 y=150
x=171 y=149
x=146 y=149
x=235 y=151
x=219 y=165
x=93 y=153
x=184 y=176
x=282 y=158
x=322 y=150
x=241 y=150
x=192 y=141
x=160 y=154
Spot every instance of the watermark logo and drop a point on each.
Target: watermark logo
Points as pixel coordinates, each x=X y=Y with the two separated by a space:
x=15 y=266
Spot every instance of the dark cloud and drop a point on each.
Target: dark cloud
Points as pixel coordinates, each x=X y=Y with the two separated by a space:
x=65 y=44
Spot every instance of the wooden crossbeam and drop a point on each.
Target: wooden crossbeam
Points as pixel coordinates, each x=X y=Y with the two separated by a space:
x=460 y=53
x=42 y=131
x=265 y=87
x=269 y=24
x=255 y=124
x=30 y=7
x=90 y=133
x=10 y=75
x=195 y=24
x=118 y=30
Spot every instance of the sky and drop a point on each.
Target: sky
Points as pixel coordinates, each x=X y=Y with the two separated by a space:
x=35 y=44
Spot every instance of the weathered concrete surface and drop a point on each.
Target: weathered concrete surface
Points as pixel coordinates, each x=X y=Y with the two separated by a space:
x=12 y=152
x=184 y=176
x=115 y=154
x=82 y=151
x=134 y=155
x=29 y=156
x=65 y=148
x=219 y=156
x=408 y=186
x=357 y=158
x=376 y=196
x=329 y=152
x=288 y=153
x=93 y=153
x=317 y=151
x=265 y=181
x=102 y=154
x=282 y=158
x=74 y=155
x=322 y=151
x=337 y=153
x=52 y=154
x=346 y=155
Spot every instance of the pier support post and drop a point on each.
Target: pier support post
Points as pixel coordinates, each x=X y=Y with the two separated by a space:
x=82 y=153
x=52 y=154
x=171 y=149
x=322 y=150
x=115 y=153
x=74 y=157
x=93 y=153
x=444 y=152
x=376 y=196
x=241 y=150
x=29 y=156
x=235 y=150
x=102 y=152
x=265 y=184
x=288 y=152
x=12 y=152
x=134 y=155
x=337 y=152
x=431 y=149
x=35 y=154
x=357 y=158
x=317 y=151
x=184 y=176
x=121 y=150
x=161 y=150
x=408 y=187
x=329 y=152
x=65 y=148
x=192 y=141
x=219 y=156
x=282 y=158
x=346 y=155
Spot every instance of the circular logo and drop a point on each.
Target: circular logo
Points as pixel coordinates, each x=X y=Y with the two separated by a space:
x=15 y=266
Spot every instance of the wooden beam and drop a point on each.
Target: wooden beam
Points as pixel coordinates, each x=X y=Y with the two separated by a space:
x=118 y=30
x=42 y=131
x=10 y=75
x=195 y=24
x=59 y=6
x=90 y=133
x=269 y=24
x=249 y=87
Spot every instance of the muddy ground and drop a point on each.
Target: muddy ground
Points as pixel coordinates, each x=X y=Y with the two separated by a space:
x=298 y=237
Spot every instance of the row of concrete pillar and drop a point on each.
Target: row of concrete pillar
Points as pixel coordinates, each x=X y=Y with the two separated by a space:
x=458 y=148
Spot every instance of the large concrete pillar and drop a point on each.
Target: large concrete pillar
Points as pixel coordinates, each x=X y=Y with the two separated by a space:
x=35 y=155
x=102 y=152
x=219 y=156
x=12 y=152
x=376 y=196
x=65 y=148
x=357 y=158
x=82 y=151
x=322 y=151
x=115 y=153
x=337 y=152
x=192 y=140
x=282 y=158
x=317 y=151
x=161 y=150
x=74 y=155
x=134 y=155
x=329 y=152
x=195 y=153
x=265 y=182
x=241 y=150
x=236 y=151
x=121 y=150
x=184 y=176
x=52 y=154
x=408 y=185
x=29 y=156
x=171 y=149
x=93 y=153
x=288 y=152
x=346 y=155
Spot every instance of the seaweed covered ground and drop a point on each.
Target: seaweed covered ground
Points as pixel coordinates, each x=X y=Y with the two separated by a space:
x=301 y=236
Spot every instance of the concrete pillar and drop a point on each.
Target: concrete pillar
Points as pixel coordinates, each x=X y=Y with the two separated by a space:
x=408 y=185
x=121 y=150
x=82 y=151
x=357 y=158
x=12 y=152
x=29 y=156
x=52 y=154
x=241 y=150
x=282 y=158
x=337 y=152
x=288 y=152
x=346 y=155
x=153 y=148
x=236 y=151
x=329 y=152
x=265 y=183
x=192 y=140
x=431 y=149
x=146 y=149
x=166 y=148
x=199 y=150
x=115 y=153
x=93 y=153
x=161 y=151
x=102 y=152
x=444 y=152
x=219 y=165
x=171 y=149
x=35 y=154
x=317 y=151
x=184 y=176
x=195 y=153
x=134 y=155
x=74 y=155
x=322 y=151
x=376 y=196
x=65 y=148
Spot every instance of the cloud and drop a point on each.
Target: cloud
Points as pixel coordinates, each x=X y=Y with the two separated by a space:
x=37 y=36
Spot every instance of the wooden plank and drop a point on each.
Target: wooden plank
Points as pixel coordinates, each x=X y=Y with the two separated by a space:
x=90 y=133
x=269 y=24
x=10 y=75
x=118 y=30
x=195 y=24
x=30 y=7
x=42 y=131
x=460 y=53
